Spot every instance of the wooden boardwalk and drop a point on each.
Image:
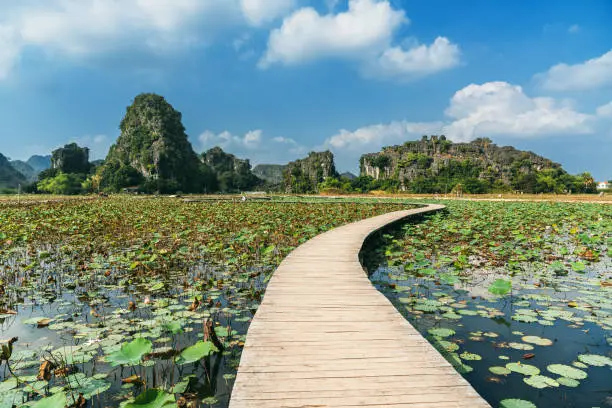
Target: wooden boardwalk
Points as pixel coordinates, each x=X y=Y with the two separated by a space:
x=324 y=336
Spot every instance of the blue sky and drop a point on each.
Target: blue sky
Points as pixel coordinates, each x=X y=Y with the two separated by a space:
x=273 y=79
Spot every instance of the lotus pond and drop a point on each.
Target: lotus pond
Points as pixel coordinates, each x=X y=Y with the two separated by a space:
x=517 y=296
x=140 y=302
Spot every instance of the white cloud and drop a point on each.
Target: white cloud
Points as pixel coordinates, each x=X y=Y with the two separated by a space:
x=499 y=108
x=254 y=146
x=605 y=110
x=573 y=29
x=77 y=28
x=9 y=50
x=365 y=28
x=228 y=141
x=363 y=33
x=377 y=136
x=591 y=74
x=396 y=62
x=258 y=12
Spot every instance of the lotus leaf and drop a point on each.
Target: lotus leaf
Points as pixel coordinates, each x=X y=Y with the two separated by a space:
x=152 y=398
x=498 y=370
x=55 y=401
x=595 y=360
x=500 y=287
x=196 y=352
x=568 y=382
x=540 y=381
x=130 y=353
x=441 y=332
x=567 y=371
x=540 y=341
x=524 y=369
x=516 y=403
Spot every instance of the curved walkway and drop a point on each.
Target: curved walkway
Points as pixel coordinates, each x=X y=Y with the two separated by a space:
x=324 y=336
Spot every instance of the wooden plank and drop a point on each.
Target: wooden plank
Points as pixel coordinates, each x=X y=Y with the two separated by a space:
x=324 y=336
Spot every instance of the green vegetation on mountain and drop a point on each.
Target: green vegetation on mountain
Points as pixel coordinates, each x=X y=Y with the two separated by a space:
x=436 y=165
x=69 y=171
x=9 y=177
x=153 y=152
x=232 y=174
x=304 y=175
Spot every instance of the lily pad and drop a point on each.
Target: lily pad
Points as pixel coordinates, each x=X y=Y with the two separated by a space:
x=498 y=370
x=595 y=360
x=540 y=341
x=524 y=369
x=196 y=352
x=567 y=371
x=130 y=353
x=152 y=398
x=568 y=382
x=500 y=287
x=55 y=401
x=516 y=403
x=540 y=381
x=442 y=332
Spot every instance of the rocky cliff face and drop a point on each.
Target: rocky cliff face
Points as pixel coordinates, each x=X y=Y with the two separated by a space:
x=71 y=159
x=153 y=149
x=437 y=157
x=270 y=173
x=303 y=176
x=233 y=174
x=9 y=177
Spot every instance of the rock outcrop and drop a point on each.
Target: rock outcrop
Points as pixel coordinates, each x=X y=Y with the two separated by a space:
x=436 y=164
x=304 y=175
x=153 y=151
x=233 y=174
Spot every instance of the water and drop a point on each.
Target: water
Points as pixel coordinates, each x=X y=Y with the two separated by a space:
x=95 y=316
x=574 y=331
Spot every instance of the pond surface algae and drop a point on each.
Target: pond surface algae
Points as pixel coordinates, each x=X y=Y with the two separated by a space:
x=324 y=336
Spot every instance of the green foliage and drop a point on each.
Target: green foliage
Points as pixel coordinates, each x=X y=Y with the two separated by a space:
x=62 y=183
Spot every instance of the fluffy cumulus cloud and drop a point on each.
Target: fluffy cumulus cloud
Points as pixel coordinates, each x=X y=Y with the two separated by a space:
x=397 y=62
x=499 y=108
x=228 y=141
x=591 y=74
x=258 y=12
x=78 y=28
x=364 y=33
x=253 y=145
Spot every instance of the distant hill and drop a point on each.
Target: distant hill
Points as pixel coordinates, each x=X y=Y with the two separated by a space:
x=348 y=175
x=437 y=165
x=25 y=169
x=271 y=173
x=10 y=178
x=39 y=163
